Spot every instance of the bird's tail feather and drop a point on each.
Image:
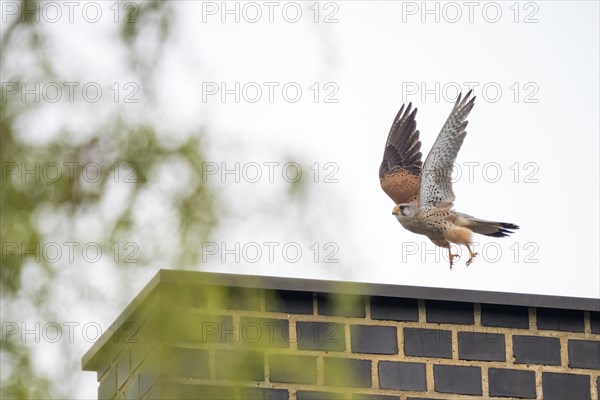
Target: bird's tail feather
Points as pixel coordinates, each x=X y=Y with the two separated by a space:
x=488 y=228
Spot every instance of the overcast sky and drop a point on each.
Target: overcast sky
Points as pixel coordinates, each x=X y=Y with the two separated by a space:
x=316 y=92
x=530 y=156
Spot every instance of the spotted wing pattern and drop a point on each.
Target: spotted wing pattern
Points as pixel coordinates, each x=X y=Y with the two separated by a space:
x=436 y=183
x=401 y=165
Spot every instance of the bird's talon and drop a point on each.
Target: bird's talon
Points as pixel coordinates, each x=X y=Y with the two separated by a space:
x=470 y=260
x=452 y=256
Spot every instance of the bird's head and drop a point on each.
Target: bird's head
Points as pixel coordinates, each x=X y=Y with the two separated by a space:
x=402 y=211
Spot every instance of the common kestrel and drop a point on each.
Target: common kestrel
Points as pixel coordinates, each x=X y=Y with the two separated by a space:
x=423 y=192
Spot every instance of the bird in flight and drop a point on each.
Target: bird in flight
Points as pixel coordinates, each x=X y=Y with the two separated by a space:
x=423 y=192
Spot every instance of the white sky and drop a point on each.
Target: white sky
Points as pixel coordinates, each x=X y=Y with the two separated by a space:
x=546 y=151
x=541 y=133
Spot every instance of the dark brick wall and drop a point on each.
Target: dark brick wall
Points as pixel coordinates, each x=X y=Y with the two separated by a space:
x=278 y=344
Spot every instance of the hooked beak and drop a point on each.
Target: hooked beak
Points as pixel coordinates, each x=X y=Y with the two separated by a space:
x=395 y=211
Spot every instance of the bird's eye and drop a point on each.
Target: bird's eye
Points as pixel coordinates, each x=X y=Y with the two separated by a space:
x=402 y=208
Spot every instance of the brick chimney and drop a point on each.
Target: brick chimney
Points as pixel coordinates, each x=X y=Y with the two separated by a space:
x=197 y=335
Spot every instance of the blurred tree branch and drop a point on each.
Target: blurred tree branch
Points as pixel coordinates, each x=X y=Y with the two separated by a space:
x=113 y=142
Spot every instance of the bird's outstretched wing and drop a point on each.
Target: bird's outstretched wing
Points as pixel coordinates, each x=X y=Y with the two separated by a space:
x=401 y=165
x=436 y=183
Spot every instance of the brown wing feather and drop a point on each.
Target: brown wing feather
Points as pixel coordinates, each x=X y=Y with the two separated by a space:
x=401 y=165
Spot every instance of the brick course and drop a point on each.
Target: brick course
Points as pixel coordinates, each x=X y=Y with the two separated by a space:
x=536 y=350
x=560 y=320
x=481 y=346
x=293 y=368
x=445 y=312
x=276 y=343
x=374 y=339
x=292 y=302
x=504 y=316
x=557 y=386
x=395 y=309
x=402 y=376
x=327 y=336
x=584 y=354
x=595 y=322
x=428 y=342
x=511 y=383
x=347 y=372
x=457 y=379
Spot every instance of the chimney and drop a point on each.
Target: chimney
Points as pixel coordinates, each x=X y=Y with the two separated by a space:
x=198 y=335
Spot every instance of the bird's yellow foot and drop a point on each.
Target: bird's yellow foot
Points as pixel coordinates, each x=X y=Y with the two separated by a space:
x=470 y=260
x=452 y=256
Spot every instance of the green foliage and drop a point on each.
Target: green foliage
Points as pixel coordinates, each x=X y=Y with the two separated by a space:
x=112 y=145
x=129 y=146
x=209 y=341
x=25 y=383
